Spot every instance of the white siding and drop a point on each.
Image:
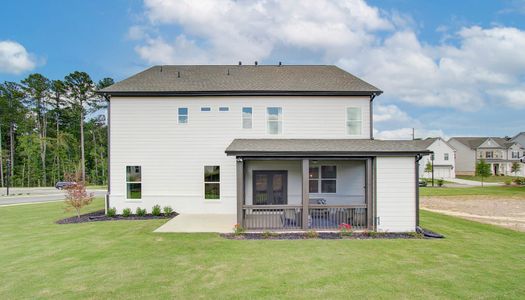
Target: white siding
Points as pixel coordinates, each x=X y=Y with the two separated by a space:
x=396 y=194
x=145 y=132
x=465 y=158
x=439 y=147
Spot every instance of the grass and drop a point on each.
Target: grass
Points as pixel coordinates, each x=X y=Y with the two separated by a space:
x=487 y=190
x=126 y=260
x=487 y=179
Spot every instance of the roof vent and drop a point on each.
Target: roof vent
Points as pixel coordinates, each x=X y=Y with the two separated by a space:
x=255 y=62
x=178 y=74
x=240 y=63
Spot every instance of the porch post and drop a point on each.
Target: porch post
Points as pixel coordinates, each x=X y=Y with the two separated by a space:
x=369 y=195
x=240 y=190
x=306 y=172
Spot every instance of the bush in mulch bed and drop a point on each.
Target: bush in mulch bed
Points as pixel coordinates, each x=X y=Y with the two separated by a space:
x=321 y=235
x=99 y=215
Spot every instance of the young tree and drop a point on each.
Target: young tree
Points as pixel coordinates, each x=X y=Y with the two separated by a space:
x=482 y=170
x=515 y=167
x=76 y=195
x=428 y=167
x=81 y=94
x=36 y=90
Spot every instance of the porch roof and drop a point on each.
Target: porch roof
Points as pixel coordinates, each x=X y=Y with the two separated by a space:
x=324 y=147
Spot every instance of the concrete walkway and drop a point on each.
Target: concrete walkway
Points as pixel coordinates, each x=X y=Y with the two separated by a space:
x=221 y=223
x=472 y=182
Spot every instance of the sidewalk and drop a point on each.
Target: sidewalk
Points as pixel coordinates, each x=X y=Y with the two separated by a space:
x=473 y=182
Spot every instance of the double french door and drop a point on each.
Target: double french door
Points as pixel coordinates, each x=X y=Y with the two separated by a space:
x=270 y=187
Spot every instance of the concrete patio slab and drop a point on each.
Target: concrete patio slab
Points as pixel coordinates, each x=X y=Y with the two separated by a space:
x=220 y=223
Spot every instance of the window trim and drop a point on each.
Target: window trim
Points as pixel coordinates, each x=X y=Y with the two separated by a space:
x=128 y=182
x=179 y=115
x=360 y=120
x=213 y=182
x=320 y=179
x=281 y=120
x=251 y=117
x=446 y=156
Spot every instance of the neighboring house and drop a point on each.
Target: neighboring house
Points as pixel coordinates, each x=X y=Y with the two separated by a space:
x=279 y=147
x=519 y=138
x=443 y=159
x=500 y=153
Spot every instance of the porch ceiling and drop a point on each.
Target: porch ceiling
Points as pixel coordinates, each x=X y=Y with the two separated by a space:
x=324 y=147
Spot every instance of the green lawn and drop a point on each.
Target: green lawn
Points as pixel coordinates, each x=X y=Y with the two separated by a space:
x=486 y=179
x=125 y=260
x=487 y=190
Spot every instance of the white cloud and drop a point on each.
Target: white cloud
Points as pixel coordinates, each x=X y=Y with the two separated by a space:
x=14 y=58
x=406 y=134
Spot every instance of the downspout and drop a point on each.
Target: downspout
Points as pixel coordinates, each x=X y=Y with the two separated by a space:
x=418 y=158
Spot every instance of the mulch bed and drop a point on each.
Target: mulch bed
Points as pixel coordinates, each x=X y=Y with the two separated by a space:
x=320 y=235
x=98 y=216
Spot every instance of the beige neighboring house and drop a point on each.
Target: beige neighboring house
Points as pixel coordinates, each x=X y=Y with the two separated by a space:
x=500 y=153
x=444 y=162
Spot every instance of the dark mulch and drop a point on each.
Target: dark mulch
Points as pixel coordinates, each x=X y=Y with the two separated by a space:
x=320 y=235
x=99 y=215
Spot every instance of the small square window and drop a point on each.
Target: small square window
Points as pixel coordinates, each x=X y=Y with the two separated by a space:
x=224 y=109
x=205 y=108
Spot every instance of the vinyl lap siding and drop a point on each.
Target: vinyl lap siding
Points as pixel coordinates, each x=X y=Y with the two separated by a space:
x=145 y=132
x=396 y=196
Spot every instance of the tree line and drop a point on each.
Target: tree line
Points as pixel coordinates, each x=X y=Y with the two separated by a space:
x=51 y=128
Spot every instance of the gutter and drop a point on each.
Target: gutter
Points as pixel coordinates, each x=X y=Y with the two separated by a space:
x=371 y=94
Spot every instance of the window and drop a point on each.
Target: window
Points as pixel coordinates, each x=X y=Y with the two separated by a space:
x=224 y=109
x=489 y=154
x=445 y=156
x=353 y=120
x=247 y=118
x=275 y=120
x=183 y=115
x=205 y=108
x=323 y=178
x=133 y=182
x=212 y=185
x=515 y=154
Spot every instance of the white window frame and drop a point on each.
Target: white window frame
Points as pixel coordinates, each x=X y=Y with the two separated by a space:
x=211 y=182
x=187 y=115
x=445 y=156
x=359 y=121
x=320 y=179
x=515 y=154
x=279 y=120
x=128 y=182
x=250 y=118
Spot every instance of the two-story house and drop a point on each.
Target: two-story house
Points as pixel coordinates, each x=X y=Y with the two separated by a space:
x=500 y=153
x=276 y=147
x=442 y=159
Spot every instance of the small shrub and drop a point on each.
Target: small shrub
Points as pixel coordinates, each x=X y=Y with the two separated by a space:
x=126 y=212
x=141 y=212
x=440 y=182
x=373 y=234
x=416 y=235
x=112 y=212
x=312 y=234
x=168 y=210
x=519 y=181
x=156 y=210
x=238 y=229
x=268 y=234
x=508 y=182
x=345 y=229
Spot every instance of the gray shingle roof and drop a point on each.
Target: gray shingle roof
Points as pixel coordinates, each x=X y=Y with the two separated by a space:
x=232 y=79
x=475 y=142
x=322 y=146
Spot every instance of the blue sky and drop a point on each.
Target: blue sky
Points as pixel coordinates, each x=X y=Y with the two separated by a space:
x=447 y=67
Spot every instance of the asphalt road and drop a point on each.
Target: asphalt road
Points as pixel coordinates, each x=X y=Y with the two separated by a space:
x=34 y=195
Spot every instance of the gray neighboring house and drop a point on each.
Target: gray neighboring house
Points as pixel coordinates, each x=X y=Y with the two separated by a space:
x=500 y=153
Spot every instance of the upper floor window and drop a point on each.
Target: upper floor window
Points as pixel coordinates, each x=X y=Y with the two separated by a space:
x=353 y=120
x=183 y=115
x=445 y=156
x=206 y=108
x=133 y=182
x=515 y=154
x=275 y=122
x=247 y=117
x=489 y=154
x=224 y=108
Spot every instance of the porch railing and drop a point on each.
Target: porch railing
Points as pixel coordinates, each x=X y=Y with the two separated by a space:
x=289 y=217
